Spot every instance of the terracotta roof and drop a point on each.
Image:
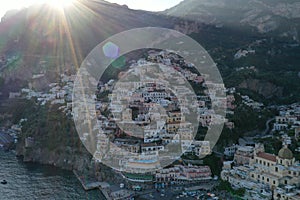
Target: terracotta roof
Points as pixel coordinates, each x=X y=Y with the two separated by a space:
x=149 y=145
x=267 y=156
x=174 y=122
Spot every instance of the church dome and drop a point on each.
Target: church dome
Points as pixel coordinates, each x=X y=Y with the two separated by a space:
x=285 y=153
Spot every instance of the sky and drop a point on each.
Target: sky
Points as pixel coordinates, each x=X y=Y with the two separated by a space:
x=151 y=5
x=14 y=4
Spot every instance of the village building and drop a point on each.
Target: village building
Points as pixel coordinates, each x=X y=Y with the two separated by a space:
x=181 y=174
x=255 y=167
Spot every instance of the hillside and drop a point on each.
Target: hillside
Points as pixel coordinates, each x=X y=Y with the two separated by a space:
x=265 y=16
x=43 y=39
x=39 y=40
x=43 y=42
x=267 y=29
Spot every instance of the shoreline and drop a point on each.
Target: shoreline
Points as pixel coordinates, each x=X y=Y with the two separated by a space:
x=93 y=186
x=25 y=175
x=87 y=185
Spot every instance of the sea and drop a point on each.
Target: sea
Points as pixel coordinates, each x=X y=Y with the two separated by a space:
x=33 y=181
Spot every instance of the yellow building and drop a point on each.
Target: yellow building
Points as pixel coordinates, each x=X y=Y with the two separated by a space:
x=266 y=171
x=175 y=117
x=275 y=170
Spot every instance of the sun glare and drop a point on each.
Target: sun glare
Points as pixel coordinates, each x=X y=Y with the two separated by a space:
x=60 y=3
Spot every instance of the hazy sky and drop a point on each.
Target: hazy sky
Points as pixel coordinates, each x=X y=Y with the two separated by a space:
x=14 y=4
x=151 y=5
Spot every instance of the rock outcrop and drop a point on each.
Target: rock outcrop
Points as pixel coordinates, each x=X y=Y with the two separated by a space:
x=264 y=88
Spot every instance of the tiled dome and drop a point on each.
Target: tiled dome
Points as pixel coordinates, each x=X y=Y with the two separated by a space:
x=285 y=153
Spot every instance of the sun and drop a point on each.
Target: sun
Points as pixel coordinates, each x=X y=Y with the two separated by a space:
x=60 y=3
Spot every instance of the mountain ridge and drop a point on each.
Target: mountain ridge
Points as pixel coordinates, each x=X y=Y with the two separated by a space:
x=40 y=34
x=264 y=15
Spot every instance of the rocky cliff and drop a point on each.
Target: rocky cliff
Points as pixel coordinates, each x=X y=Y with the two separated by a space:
x=264 y=88
x=279 y=16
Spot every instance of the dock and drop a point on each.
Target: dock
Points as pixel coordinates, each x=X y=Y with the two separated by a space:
x=87 y=185
x=114 y=192
x=91 y=185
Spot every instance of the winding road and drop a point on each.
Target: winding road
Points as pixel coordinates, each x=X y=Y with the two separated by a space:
x=267 y=130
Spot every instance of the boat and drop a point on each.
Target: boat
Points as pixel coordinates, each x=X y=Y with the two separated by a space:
x=3 y=182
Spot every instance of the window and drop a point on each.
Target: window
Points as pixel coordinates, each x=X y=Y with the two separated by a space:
x=268 y=180
x=276 y=169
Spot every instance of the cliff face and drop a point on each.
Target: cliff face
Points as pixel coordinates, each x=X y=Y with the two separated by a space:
x=68 y=159
x=64 y=158
x=49 y=137
x=264 y=88
x=263 y=15
x=187 y=27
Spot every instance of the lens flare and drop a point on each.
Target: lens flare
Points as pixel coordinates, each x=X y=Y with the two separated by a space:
x=60 y=3
x=111 y=50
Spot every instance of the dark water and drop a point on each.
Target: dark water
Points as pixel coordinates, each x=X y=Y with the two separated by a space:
x=33 y=181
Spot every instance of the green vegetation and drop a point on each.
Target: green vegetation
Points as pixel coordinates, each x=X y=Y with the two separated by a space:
x=237 y=77
x=1 y=81
x=247 y=119
x=14 y=64
x=198 y=88
x=228 y=137
x=201 y=132
x=51 y=128
x=272 y=145
x=224 y=185
x=214 y=163
x=275 y=60
x=103 y=96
